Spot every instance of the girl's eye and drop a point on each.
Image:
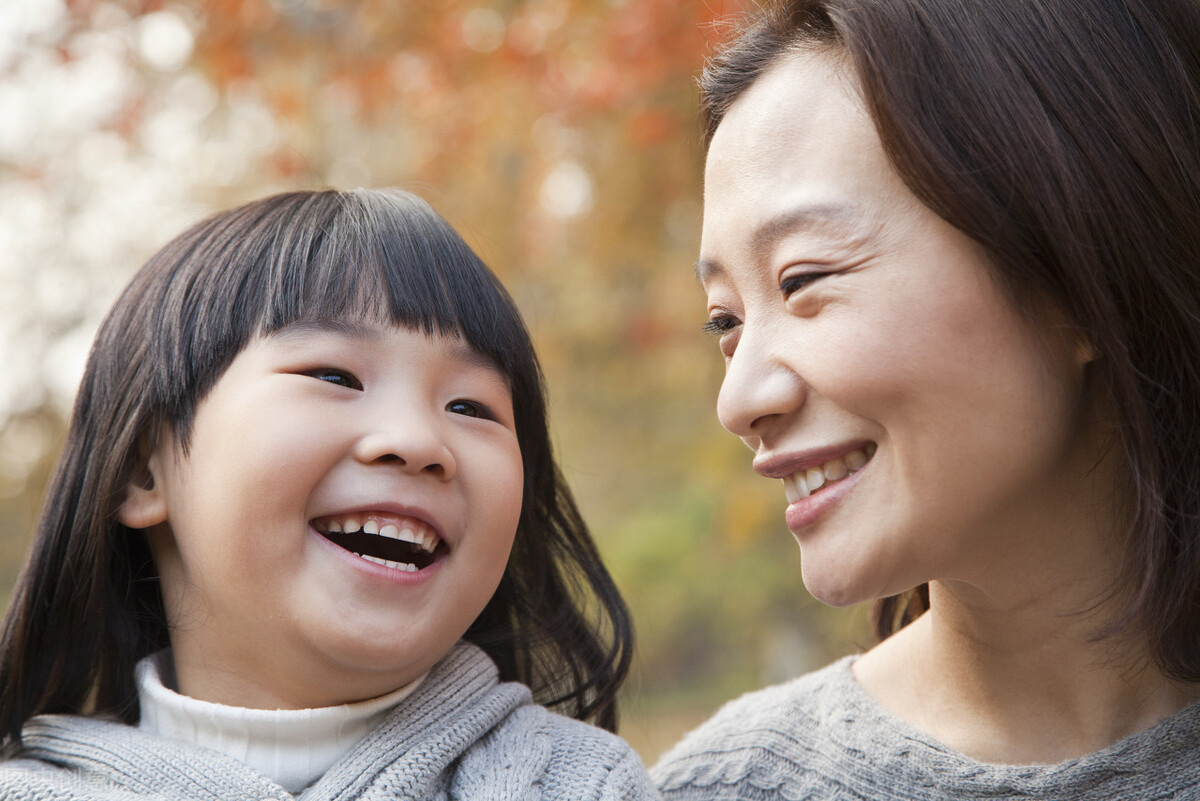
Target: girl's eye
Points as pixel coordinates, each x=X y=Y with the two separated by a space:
x=720 y=324
x=469 y=408
x=334 y=376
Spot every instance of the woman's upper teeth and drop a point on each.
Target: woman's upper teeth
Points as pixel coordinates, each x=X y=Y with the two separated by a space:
x=803 y=483
x=405 y=529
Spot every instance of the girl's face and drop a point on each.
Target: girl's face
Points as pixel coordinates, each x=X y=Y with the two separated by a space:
x=317 y=442
x=921 y=427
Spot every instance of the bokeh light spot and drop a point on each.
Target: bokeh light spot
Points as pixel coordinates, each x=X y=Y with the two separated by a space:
x=164 y=41
x=567 y=191
x=483 y=30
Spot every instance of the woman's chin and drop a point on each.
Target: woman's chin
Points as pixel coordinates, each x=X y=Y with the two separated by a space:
x=836 y=592
x=842 y=588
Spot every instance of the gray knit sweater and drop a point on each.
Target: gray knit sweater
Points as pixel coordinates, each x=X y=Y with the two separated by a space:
x=821 y=737
x=460 y=735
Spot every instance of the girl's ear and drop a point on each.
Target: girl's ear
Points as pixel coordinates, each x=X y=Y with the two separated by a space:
x=145 y=503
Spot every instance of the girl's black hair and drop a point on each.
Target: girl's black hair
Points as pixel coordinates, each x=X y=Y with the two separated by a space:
x=88 y=604
x=1064 y=137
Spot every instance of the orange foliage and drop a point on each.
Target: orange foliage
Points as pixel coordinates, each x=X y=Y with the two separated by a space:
x=576 y=59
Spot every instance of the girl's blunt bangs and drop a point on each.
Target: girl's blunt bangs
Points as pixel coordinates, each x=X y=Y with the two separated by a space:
x=382 y=255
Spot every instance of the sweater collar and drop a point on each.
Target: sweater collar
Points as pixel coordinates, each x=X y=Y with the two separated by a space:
x=414 y=746
x=293 y=747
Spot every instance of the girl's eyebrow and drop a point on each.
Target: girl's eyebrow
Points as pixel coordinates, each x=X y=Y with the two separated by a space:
x=350 y=329
x=461 y=351
x=457 y=348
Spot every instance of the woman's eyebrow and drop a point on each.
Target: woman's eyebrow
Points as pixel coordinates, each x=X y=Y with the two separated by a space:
x=706 y=269
x=845 y=221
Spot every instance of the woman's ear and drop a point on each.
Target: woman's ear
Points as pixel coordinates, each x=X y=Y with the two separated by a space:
x=145 y=503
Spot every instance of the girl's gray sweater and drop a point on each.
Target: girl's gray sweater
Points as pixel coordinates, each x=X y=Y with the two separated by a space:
x=461 y=734
x=821 y=737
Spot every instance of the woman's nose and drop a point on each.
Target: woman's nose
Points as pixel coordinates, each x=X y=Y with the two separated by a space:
x=412 y=441
x=760 y=387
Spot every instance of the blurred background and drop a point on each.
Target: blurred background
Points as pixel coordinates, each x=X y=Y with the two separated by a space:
x=558 y=136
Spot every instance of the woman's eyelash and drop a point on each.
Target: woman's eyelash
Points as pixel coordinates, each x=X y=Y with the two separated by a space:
x=719 y=325
x=790 y=284
x=469 y=408
x=332 y=375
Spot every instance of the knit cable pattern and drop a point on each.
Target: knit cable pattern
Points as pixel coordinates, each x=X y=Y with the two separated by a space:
x=821 y=737
x=461 y=734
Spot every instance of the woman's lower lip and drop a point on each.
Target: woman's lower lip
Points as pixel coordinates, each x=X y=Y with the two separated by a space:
x=807 y=511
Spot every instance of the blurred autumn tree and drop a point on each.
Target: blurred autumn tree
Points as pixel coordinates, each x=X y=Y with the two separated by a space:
x=558 y=135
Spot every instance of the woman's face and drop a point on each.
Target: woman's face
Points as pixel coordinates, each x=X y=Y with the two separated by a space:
x=921 y=426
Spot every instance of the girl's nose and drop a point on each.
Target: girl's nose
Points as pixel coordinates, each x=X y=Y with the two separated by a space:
x=412 y=442
x=760 y=388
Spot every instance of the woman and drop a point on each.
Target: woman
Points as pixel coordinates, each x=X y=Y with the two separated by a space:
x=950 y=251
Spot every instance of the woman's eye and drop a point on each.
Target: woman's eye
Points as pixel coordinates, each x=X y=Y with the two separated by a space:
x=469 y=408
x=334 y=376
x=720 y=324
x=793 y=282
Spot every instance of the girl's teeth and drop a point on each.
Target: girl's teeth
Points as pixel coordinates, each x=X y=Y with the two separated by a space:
x=804 y=483
x=405 y=566
x=426 y=540
x=423 y=539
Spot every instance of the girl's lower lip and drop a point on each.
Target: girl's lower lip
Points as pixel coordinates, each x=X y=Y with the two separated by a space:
x=807 y=511
x=380 y=571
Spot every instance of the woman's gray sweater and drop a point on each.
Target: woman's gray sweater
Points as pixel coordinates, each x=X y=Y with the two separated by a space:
x=821 y=737
x=461 y=734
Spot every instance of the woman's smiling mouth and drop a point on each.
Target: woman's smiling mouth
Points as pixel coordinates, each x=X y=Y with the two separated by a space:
x=803 y=483
x=402 y=543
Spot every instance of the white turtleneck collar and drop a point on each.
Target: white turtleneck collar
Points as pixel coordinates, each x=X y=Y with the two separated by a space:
x=293 y=747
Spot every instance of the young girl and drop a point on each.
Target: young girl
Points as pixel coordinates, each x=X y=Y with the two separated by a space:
x=307 y=535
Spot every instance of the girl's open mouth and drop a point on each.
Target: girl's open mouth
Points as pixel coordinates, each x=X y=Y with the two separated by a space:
x=402 y=543
x=804 y=483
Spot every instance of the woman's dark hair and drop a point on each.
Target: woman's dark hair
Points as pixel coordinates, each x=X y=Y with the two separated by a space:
x=88 y=605
x=1063 y=136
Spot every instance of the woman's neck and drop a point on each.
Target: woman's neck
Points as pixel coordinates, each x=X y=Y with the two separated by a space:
x=1020 y=684
x=1010 y=664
